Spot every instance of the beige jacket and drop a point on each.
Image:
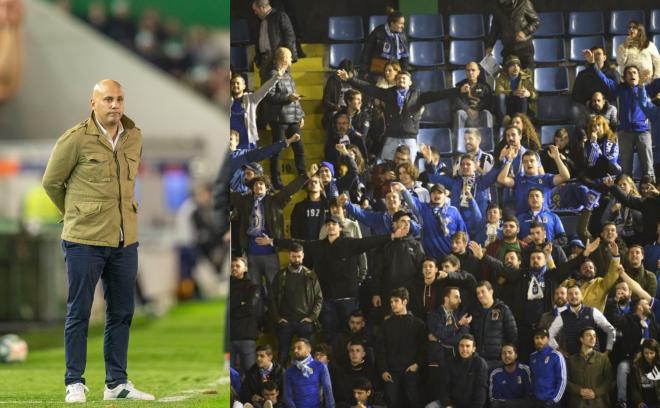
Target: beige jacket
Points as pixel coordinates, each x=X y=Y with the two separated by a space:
x=93 y=186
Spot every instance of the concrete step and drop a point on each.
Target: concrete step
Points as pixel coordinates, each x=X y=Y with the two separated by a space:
x=312 y=150
x=309 y=135
x=311 y=106
x=313 y=121
x=314 y=50
x=309 y=64
x=316 y=78
x=311 y=92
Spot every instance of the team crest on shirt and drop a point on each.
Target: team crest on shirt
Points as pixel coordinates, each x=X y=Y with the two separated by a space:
x=519 y=380
x=547 y=360
x=540 y=181
x=495 y=315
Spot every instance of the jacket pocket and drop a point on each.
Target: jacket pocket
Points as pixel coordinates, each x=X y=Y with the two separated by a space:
x=87 y=208
x=95 y=167
x=133 y=164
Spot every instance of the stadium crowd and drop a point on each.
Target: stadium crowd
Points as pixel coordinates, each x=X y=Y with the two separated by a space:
x=456 y=285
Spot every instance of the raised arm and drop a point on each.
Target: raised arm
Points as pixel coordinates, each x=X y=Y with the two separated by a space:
x=506 y=156
x=564 y=175
x=610 y=84
x=264 y=89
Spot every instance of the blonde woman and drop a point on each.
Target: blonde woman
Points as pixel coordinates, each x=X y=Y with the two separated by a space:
x=628 y=222
x=639 y=52
x=601 y=149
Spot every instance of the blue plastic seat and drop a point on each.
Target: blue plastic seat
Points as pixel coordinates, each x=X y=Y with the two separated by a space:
x=497 y=52
x=616 y=41
x=239 y=59
x=457 y=76
x=239 y=32
x=487 y=140
x=437 y=113
x=586 y=23
x=580 y=43
x=553 y=108
x=551 y=79
x=654 y=22
x=426 y=26
x=552 y=24
x=339 y=52
x=375 y=21
x=548 y=132
x=549 y=50
x=466 y=26
x=463 y=51
x=427 y=53
x=656 y=39
x=440 y=138
x=619 y=20
x=429 y=80
x=345 y=28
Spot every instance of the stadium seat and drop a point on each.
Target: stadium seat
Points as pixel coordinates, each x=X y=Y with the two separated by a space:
x=656 y=39
x=654 y=22
x=375 y=21
x=457 y=76
x=570 y=223
x=339 y=52
x=616 y=41
x=437 y=113
x=239 y=59
x=427 y=53
x=553 y=108
x=619 y=20
x=548 y=132
x=426 y=26
x=239 y=32
x=440 y=138
x=345 y=28
x=586 y=23
x=466 y=26
x=549 y=50
x=463 y=51
x=580 y=43
x=487 y=140
x=429 y=80
x=551 y=79
x=552 y=24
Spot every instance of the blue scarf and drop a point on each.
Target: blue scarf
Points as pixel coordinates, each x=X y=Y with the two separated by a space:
x=304 y=366
x=401 y=98
x=440 y=215
x=257 y=218
x=393 y=48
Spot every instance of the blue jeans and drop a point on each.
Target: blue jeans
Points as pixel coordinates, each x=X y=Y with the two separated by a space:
x=117 y=268
x=285 y=333
x=510 y=105
x=334 y=316
x=243 y=355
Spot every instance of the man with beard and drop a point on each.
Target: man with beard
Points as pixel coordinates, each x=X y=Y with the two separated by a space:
x=466 y=384
x=342 y=134
x=440 y=220
x=595 y=289
x=306 y=377
x=469 y=263
x=589 y=374
x=244 y=108
x=636 y=270
x=634 y=328
x=537 y=239
x=548 y=368
x=470 y=190
x=511 y=384
x=509 y=240
x=295 y=302
x=472 y=142
x=514 y=22
x=560 y=300
x=400 y=262
x=574 y=319
x=599 y=106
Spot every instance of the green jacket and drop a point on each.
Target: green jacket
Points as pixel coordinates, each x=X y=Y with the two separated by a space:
x=503 y=86
x=594 y=372
x=92 y=186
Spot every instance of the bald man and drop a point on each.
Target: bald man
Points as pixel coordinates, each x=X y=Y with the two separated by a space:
x=90 y=177
x=473 y=104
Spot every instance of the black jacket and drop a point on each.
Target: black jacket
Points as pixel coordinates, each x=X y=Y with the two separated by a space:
x=280 y=33
x=331 y=153
x=373 y=47
x=245 y=301
x=492 y=328
x=631 y=334
x=480 y=98
x=343 y=381
x=466 y=383
x=400 y=343
x=333 y=99
x=512 y=285
x=649 y=206
x=253 y=383
x=280 y=109
x=309 y=300
x=400 y=265
x=404 y=123
x=508 y=20
x=587 y=82
x=336 y=264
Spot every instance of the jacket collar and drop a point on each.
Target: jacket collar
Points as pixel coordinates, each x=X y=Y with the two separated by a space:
x=93 y=130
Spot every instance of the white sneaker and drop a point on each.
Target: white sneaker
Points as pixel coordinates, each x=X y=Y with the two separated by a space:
x=126 y=391
x=76 y=393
